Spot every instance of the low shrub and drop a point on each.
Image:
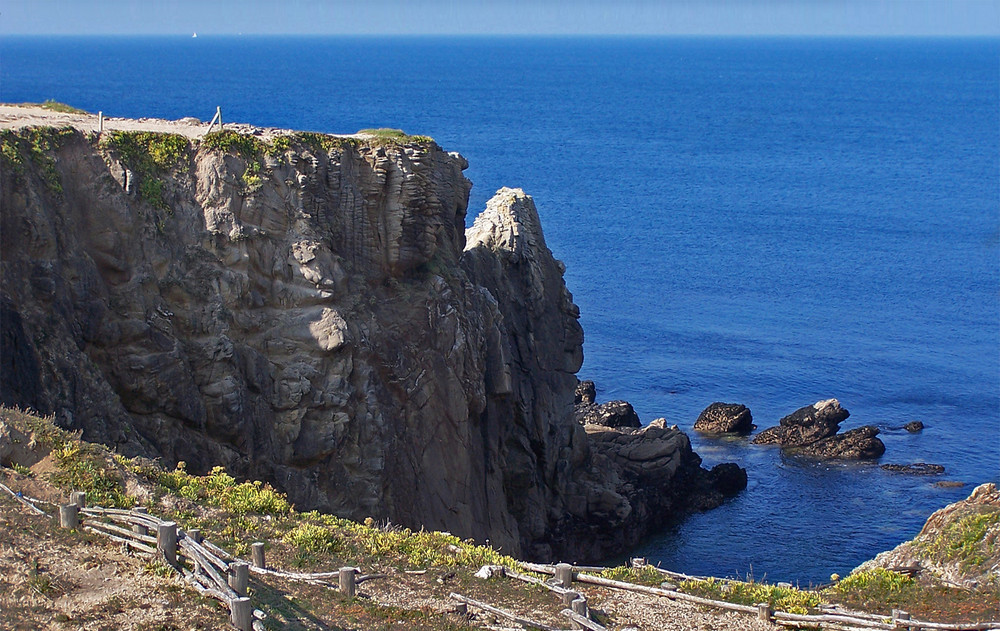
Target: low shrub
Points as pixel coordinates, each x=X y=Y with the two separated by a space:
x=220 y=489
x=877 y=587
x=788 y=599
x=643 y=575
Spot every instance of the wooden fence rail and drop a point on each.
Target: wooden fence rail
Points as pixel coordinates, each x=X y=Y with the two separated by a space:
x=216 y=573
x=829 y=619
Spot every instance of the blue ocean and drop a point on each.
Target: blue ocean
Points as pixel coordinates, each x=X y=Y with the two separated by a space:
x=762 y=221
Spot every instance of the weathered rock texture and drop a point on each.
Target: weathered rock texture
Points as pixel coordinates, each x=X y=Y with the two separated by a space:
x=610 y=414
x=725 y=418
x=917 y=468
x=331 y=329
x=812 y=430
x=957 y=544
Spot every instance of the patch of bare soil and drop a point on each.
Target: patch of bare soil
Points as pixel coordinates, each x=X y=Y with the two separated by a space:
x=13 y=116
x=52 y=578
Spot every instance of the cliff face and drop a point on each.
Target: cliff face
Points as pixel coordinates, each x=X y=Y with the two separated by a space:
x=311 y=315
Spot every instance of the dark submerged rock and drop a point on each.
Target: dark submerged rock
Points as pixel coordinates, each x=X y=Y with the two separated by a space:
x=917 y=468
x=914 y=426
x=725 y=418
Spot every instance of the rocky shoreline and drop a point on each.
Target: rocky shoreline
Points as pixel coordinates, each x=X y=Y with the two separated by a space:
x=309 y=310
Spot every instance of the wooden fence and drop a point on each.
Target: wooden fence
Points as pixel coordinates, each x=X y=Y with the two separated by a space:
x=211 y=570
x=829 y=617
x=214 y=572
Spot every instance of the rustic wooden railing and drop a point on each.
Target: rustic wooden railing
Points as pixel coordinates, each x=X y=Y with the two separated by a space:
x=214 y=572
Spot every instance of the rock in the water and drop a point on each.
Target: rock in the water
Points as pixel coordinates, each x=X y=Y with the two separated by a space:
x=586 y=393
x=914 y=426
x=725 y=418
x=857 y=444
x=805 y=425
x=728 y=478
x=917 y=468
x=650 y=465
x=610 y=414
x=812 y=431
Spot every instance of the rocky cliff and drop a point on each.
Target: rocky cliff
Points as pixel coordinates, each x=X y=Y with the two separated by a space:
x=309 y=310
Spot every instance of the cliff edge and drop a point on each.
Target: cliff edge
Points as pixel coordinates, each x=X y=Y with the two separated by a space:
x=309 y=310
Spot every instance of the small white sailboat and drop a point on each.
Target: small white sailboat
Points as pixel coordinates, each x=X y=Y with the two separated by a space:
x=195 y=35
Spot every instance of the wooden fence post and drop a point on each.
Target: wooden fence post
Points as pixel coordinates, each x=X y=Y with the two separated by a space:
x=568 y=597
x=257 y=554
x=79 y=498
x=241 y=613
x=347 y=585
x=139 y=529
x=194 y=534
x=900 y=619
x=764 y=612
x=166 y=541
x=239 y=576
x=100 y=122
x=217 y=117
x=564 y=574
x=69 y=516
x=579 y=606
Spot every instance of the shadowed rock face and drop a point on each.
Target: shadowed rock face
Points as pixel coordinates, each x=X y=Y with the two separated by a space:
x=333 y=331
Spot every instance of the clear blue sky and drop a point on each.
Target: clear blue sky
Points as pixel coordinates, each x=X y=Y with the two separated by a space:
x=646 y=17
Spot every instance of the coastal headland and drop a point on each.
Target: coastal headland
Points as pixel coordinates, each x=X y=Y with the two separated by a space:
x=309 y=310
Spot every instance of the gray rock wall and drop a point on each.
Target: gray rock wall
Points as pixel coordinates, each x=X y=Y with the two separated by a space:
x=328 y=330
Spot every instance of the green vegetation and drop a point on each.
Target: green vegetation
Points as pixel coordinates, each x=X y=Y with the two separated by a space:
x=877 y=587
x=35 y=144
x=247 y=147
x=969 y=541
x=148 y=155
x=788 y=599
x=84 y=468
x=80 y=466
x=55 y=106
x=316 y=533
x=394 y=136
x=321 y=142
x=229 y=141
x=644 y=575
x=218 y=488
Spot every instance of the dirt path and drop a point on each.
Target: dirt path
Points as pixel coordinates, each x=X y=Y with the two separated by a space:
x=18 y=116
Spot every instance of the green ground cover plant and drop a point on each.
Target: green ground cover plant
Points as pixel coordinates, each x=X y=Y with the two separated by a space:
x=394 y=136
x=35 y=144
x=969 y=541
x=148 y=155
x=790 y=599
